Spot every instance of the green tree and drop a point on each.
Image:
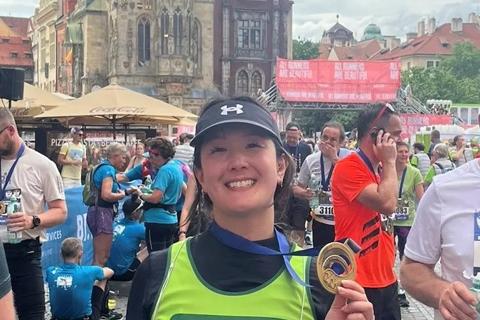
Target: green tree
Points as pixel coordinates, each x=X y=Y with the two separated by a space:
x=465 y=61
x=304 y=49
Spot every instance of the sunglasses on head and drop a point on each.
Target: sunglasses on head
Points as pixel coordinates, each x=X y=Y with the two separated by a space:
x=380 y=114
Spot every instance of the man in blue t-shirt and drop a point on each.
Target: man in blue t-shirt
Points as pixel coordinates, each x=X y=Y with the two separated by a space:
x=76 y=292
x=128 y=234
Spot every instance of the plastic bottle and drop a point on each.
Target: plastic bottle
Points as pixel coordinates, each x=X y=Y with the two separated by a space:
x=13 y=207
x=315 y=186
x=147 y=185
x=3 y=228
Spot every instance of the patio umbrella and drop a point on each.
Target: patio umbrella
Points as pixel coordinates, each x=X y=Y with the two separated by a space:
x=116 y=104
x=34 y=102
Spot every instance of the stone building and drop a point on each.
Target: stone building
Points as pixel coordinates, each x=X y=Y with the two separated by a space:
x=249 y=36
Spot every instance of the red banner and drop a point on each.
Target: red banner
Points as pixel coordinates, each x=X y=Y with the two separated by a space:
x=411 y=123
x=338 y=81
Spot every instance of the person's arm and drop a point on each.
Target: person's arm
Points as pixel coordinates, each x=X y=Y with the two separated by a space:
x=155 y=197
x=6 y=296
x=457 y=154
x=131 y=163
x=429 y=176
x=55 y=215
x=383 y=197
x=300 y=189
x=6 y=305
x=107 y=273
x=107 y=194
x=454 y=300
x=414 y=161
x=187 y=205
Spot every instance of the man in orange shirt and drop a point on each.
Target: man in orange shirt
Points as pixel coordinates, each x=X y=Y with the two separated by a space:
x=363 y=200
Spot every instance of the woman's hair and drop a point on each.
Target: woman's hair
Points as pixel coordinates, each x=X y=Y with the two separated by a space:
x=162 y=145
x=402 y=144
x=115 y=148
x=202 y=204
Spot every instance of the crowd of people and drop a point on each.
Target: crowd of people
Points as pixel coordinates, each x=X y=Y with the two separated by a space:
x=215 y=226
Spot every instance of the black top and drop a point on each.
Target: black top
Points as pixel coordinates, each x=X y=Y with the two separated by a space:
x=222 y=267
x=5 y=285
x=298 y=152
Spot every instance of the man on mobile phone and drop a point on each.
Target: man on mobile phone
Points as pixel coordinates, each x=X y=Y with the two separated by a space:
x=364 y=198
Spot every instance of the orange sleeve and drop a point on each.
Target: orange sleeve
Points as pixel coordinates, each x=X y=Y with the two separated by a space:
x=350 y=178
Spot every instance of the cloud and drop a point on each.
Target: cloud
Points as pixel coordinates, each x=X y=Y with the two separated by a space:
x=24 y=8
x=312 y=17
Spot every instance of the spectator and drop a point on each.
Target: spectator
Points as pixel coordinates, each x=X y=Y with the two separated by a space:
x=460 y=154
x=76 y=292
x=446 y=229
x=138 y=158
x=434 y=139
x=420 y=159
x=72 y=158
x=363 y=204
x=184 y=152
x=40 y=188
x=440 y=163
x=100 y=216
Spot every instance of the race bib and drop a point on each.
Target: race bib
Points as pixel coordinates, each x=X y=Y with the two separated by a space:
x=401 y=213
x=325 y=207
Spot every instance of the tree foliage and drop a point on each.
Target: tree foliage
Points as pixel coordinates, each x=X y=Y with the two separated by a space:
x=304 y=49
x=457 y=78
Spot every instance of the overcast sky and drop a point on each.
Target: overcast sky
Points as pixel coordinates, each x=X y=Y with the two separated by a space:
x=311 y=17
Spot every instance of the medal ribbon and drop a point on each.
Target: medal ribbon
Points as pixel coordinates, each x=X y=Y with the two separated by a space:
x=400 y=191
x=325 y=182
x=367 y=161
x=10 y=172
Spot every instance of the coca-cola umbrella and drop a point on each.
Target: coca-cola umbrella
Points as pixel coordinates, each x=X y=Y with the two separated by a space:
x=116 y=104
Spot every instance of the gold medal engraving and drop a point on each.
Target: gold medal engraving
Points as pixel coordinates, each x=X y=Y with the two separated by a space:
x=336 y=262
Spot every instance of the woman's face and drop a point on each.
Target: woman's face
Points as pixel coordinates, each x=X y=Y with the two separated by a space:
x=118 y=160
x=139 y=150
x=240 y=171
x=402 y=154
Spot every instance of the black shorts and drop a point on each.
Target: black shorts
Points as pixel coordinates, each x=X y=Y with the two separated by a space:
x=385 y=302
x=127 y=275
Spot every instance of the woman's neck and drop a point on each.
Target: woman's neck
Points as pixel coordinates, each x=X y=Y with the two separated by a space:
x=400 y=167
x=254 y=227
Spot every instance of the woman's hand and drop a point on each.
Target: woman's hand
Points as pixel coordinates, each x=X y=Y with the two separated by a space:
x=350 y=303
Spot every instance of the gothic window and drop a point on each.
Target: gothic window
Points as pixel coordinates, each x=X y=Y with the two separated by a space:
x=242 y=83
x=164 y=31
x=143 y=38
x=196 y=44
x=256 y=82
x=249 y=34
x=178 y=30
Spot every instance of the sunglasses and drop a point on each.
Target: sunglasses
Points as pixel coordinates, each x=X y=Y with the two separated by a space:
x=380 y=114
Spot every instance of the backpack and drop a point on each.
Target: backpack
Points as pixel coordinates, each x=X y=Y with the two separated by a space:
x=90 y=191
x=444 y=170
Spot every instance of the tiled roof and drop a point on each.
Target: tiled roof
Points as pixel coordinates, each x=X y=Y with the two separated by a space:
x=363 y=50
x=440 y=42
x=324 y=50
x=18 y=25
x=15 y=46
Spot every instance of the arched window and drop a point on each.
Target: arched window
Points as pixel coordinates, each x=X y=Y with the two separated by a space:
x=143 y=38
x=164 y=31
x=257 y=82
x=242 y=83
x=178 y=30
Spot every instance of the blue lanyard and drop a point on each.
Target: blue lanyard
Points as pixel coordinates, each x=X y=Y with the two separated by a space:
x=400 y=191
x=235 y=241
x=326 y=183
x=10 y=172
x=367 y=161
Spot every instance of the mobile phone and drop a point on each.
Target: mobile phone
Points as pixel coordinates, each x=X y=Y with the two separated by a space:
x=374 y=134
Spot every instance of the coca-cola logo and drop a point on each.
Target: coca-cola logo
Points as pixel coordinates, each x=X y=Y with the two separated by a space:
x=114 y=110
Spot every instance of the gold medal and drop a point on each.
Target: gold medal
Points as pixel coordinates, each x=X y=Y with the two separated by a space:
x=336 y=262
x=3 y=207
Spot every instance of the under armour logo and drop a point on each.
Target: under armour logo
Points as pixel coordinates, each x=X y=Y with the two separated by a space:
x=226 y=109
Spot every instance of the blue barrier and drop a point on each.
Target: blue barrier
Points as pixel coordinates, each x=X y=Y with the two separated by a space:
x=74 y=226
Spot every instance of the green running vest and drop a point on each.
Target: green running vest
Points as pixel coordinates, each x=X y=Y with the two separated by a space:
x=185 y=295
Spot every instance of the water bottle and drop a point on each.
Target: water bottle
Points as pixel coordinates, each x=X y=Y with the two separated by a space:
x=3 y=228
x=315 y=186
x=147 y=185
x=476 y=291
x=13 y=207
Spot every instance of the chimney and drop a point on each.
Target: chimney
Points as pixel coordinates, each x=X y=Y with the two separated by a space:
x=457 y=25
x=431 y=25
x=411 y=36
x=421 y=28
x=473 y=18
